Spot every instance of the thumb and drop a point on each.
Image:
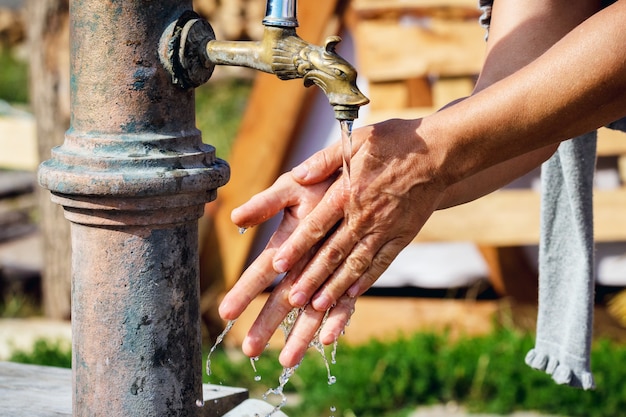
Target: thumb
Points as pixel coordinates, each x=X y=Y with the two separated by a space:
x=320 y=166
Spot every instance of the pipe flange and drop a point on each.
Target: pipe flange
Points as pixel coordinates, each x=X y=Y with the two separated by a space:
x=183 y=50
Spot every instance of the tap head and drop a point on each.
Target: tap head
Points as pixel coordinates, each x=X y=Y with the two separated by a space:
x=337 y=78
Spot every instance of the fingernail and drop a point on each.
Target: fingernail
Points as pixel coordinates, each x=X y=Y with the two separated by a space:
x=353 y=291
x=298 y=299
x=300 y=172
x=280 y=266
x=322 y=303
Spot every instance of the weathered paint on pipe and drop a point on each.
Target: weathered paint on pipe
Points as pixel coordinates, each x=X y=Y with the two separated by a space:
x=133 y=176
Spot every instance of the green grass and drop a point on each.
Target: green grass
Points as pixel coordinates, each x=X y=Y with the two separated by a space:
x=219 y=108
x=45 y=352
x=13 y=78
x=485 y=374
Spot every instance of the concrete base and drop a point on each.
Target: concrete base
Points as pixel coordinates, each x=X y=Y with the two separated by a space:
x=42 y=391
x=254 y=408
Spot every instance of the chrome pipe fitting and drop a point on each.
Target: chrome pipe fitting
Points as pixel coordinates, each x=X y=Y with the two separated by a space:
x=281 y=13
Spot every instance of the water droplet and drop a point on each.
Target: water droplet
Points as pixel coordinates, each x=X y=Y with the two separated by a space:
x=332 y=379
x=242 y=230
x=257 y=378
x=332 y=408
x=199 y=403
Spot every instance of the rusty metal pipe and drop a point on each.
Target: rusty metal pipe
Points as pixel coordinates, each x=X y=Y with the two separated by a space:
x=133 y=176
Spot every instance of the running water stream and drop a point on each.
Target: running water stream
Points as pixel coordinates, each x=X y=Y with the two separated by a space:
x=346 y=148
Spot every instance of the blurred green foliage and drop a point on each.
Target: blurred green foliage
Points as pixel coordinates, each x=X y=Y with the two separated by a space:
x=13 y=78
x=485 y=374
x=45 y=352
x=219 y=108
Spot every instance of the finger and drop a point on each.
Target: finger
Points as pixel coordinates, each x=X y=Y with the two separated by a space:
x=355 y=265
x=323 y=265
x=258 y=276
x=267 y=203
x=300 y=337
x=270 y=317
x=319 y=166
x=379 y=264
x=273 y=312
x=337 y=320
x=312 y=228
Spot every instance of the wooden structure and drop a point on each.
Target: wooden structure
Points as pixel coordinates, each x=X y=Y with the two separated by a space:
x=417 y=56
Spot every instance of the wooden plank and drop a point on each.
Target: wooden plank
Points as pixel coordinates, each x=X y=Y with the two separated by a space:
x=503 y=218
x=269 y=125
x=390 y=51
x=510 y=272
x=511 y=218
x=457 y=9
x=388 y=95
x=392 y=95
x=420 y=92
x=387 y=318
x=621 y=168
x=611 y=142
x=446 y=90
x=18 y=143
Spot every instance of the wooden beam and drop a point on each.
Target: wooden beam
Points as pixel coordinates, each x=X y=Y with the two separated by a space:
x=450 y=9
x=442 y=47
x=511 y=218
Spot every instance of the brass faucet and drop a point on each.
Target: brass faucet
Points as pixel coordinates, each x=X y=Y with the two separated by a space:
x=190 y=52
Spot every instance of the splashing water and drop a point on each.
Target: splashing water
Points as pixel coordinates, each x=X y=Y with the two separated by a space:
x=315 y=343
x=282 y=381
x=253 y=361
x=219 y=339
x=346 y=147
x=286 y=326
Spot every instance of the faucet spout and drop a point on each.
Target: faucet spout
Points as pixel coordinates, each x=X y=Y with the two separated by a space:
x=195 y=52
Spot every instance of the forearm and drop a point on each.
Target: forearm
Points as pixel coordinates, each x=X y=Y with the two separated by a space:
x=494 y=178
x=576 y=86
